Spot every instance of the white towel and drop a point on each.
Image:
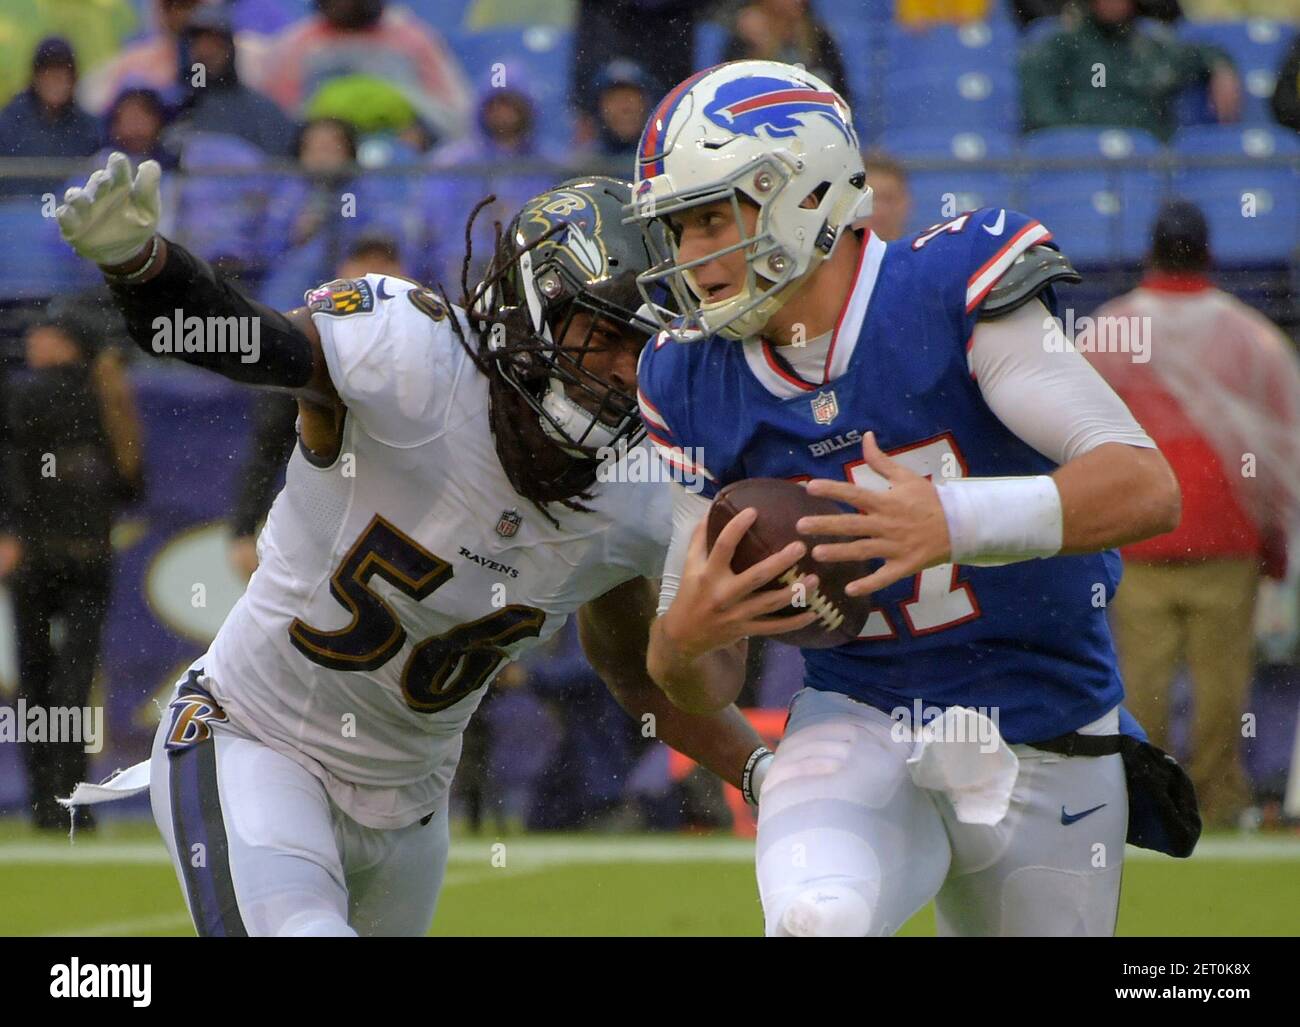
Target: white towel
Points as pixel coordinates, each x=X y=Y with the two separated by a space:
x=119 y=785
x=962 y=754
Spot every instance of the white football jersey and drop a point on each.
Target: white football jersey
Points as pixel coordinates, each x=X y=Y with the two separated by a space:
x=395 y=582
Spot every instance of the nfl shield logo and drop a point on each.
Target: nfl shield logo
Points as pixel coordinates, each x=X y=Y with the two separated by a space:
x=825 y=407
x=508 y=524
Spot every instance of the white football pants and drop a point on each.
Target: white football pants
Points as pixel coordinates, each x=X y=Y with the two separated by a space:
x=260 y=850
x=848 y=845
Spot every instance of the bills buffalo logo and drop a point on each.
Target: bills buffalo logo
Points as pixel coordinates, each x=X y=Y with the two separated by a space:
x=644 y=199
x=825 y=407
x=779 y=106
x=341 y=297
x=192 y=712
x=508 y=523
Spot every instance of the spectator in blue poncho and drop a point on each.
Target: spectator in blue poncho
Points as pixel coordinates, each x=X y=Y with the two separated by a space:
x=213 y=99
x=505 y=136
x=45 y=120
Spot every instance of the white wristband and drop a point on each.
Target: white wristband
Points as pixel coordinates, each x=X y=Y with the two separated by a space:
x=1002 y=520
x=760 y=760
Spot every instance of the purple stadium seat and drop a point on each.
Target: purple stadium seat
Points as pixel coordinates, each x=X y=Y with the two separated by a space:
x=220 y=215
x=1253 y=209
x=1096 y=214
x=939 y=194
x=1257 y=47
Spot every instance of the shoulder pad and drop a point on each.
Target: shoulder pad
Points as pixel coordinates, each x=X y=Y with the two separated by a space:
x=1033 y=271
x=427 y=303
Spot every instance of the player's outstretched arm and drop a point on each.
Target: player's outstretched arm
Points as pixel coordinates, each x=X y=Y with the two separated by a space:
x=113 y=221
x=614 y=630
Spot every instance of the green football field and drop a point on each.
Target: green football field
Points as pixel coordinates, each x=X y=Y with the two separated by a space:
x=120 y=883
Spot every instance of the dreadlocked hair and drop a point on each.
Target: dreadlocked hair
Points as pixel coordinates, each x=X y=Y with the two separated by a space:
x=535 y=466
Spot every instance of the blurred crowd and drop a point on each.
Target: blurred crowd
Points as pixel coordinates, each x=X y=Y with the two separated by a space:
x=312 y=140
x=300 y=125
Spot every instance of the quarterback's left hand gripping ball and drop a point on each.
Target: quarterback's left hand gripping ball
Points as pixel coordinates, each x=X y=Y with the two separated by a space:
x=780 y=504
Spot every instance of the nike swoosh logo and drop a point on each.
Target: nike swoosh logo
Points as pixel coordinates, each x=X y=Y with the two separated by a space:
x=1070 y=818
x=997 y=226
x=380 y=291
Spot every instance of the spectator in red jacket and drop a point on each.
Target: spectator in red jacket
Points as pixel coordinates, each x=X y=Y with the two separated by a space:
x=1217 y=386
x=363 y=38
x=153 y=61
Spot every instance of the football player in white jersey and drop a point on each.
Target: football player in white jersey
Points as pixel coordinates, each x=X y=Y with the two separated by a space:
x=446 y=509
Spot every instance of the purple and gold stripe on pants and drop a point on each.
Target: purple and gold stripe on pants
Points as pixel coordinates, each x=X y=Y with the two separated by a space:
x=200 y=833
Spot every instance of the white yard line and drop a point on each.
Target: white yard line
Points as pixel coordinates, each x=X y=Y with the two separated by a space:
x=123 y=928
x=60 y=852
x=471 y=862
x=150 y=925
x=533 y=852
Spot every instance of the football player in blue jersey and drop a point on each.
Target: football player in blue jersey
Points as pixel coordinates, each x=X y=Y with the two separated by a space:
x=926 y=385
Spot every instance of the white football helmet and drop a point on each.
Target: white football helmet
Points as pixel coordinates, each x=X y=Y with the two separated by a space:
x=767 y=132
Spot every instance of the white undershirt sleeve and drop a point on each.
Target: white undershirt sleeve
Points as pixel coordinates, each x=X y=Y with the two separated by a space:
x=689 y=508
x=1049 y=396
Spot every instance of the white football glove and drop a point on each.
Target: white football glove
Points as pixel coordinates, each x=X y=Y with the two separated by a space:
x=113 y=218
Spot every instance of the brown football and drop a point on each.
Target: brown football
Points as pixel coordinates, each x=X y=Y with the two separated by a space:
x=780 y=504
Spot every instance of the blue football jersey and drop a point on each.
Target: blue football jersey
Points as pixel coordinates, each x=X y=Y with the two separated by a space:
x=1027 y=641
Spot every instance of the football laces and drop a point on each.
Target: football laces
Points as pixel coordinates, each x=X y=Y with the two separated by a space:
x=828 y=613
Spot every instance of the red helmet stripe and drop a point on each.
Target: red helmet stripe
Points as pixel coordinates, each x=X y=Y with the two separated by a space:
x=658 y=123
x=781 y=96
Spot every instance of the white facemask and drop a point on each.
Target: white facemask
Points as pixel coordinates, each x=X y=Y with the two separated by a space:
x=572 y=422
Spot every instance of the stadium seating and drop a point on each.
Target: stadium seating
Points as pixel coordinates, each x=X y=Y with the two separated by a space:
x=446 y=201
x=983 y=101
x=1254 y=211
x=267 y=16
x=543 y=52
x=977 y=46
x=858 y=40
x=1096 y=215
x=939 y=194
x=838 y=12
x=710 y=43
x=294 y=273
x=35 y=263
x=220 y=215
x=444 y=15
x=1257 y=47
